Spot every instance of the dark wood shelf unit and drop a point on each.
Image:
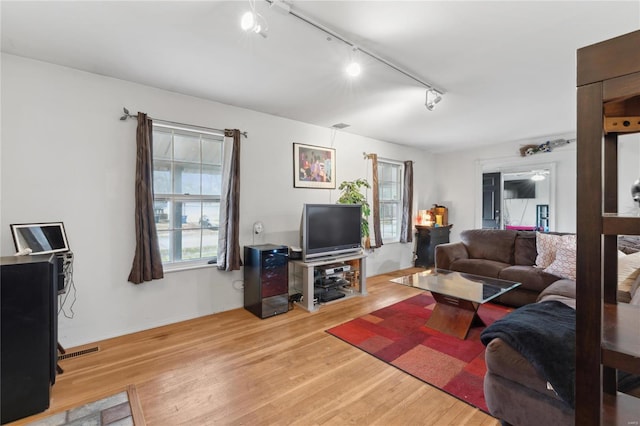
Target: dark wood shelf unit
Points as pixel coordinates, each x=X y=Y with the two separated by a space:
x=607 y=333
x=621 y=337
x=619 y=409
x=619 y=225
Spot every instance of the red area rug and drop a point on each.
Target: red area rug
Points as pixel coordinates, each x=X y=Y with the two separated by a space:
x=397 y=335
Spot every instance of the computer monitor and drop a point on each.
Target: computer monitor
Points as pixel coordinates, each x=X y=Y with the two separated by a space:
x=40 y=238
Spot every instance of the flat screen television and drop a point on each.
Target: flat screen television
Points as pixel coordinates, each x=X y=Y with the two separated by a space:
x=40 y=238
x=520 y=188
x=329 y=230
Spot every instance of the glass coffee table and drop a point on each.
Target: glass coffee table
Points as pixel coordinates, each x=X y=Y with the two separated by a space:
x=458 y=296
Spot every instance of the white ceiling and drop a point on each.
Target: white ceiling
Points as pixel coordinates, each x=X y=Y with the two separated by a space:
x=508 y=68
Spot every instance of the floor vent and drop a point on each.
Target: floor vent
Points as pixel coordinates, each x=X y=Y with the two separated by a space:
x=79 y=353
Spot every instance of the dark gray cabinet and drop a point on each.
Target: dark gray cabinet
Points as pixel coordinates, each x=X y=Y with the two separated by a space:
x=427 y=238
x=28 y=295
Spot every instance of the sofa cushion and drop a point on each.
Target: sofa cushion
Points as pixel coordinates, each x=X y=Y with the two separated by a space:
x=562 y=290
x=491 y=244
x=503 y=360
x=564 y=265
x=517 y=297
x=485 y=268
x=447 y=253
x=525 y=248
x=532 y=278
x=565 y=288
x=516 y=404
x=629 y=244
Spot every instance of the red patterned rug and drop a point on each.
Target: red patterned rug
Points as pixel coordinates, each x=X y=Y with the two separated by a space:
x=397 y=335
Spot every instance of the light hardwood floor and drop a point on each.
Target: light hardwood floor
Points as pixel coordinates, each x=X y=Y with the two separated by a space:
x=233 y=368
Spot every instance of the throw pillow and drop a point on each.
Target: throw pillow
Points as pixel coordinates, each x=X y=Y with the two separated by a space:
x=628 y=272
x=547 y=245
x=564 y=265
x=628 y=286
x=635 y=300
x=627 y=265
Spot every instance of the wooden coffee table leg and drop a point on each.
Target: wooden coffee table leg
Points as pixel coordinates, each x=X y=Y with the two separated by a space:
x=454 y=316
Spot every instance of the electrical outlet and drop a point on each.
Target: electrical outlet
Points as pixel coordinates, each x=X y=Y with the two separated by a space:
x=258 y=227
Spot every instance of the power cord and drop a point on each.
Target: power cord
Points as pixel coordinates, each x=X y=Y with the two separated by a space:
x=69 y=288
x=296 y=297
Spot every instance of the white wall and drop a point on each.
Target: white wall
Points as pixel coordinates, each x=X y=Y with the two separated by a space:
x=460 y=175
x=459 y=180
x=65 y=156
x=628 y=172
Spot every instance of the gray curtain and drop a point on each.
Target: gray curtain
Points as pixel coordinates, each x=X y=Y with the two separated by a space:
x=406 y=234
x=375 y=193
x=147 y=263
x=228 y=234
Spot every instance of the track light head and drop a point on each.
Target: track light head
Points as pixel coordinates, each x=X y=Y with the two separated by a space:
x=253 y=22
x=353 y=69
x=432 y=98
x=248 y=21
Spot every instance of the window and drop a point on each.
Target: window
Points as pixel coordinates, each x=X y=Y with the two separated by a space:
x=187 y=176
x=390 y=177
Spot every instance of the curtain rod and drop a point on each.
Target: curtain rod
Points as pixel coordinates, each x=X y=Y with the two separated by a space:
x=127 y=115
x=391 y=160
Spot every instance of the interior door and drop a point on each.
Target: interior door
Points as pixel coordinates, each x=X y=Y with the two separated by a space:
x=491 y=195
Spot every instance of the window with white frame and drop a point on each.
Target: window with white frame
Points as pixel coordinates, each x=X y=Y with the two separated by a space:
x=390 y=178
x=187 y=183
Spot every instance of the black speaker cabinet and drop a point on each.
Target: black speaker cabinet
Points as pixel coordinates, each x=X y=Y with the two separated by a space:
x=266 y=279
x=28 y=296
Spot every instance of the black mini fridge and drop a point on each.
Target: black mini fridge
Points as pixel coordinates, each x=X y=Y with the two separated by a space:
x=266 y=279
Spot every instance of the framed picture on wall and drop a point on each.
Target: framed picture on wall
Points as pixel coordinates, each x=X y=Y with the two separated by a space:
x=314 y=167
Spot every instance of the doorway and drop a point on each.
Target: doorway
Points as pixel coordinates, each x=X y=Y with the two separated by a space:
x=491 y=197
x=516 y=196
x=525 y=204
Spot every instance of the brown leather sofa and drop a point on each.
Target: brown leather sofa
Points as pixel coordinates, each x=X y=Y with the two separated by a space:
x=498 y=253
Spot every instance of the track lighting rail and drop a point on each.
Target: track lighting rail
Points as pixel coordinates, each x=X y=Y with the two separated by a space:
x=350 y=43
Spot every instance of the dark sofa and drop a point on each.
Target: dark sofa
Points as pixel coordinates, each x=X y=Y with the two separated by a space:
x=515 y=392
x=519 y=395
x=504 y=254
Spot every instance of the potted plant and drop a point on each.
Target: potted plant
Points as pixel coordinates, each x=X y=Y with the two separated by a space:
x=352 y=194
